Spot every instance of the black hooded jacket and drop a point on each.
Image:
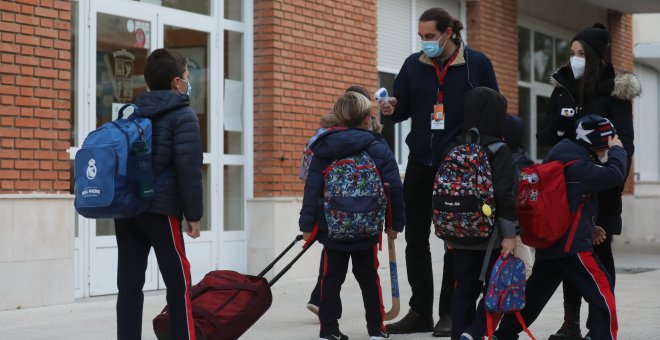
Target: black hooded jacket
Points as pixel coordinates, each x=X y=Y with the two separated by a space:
x=613 y=100
x=176 y=156
x=485 y=109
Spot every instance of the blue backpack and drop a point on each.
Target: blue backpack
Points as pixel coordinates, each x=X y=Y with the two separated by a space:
x=113 y=169
x=506 y=292
x=354 y=199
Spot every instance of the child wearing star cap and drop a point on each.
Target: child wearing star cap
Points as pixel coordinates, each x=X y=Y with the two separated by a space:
x=599 y=163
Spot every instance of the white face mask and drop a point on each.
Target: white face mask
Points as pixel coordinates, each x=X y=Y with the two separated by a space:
x=577 y=65
x=603 y=159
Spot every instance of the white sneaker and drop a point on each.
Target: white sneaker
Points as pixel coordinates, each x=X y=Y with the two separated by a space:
x=313 y=308
x=466 y=336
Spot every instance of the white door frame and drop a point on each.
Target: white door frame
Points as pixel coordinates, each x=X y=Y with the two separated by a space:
x=87 y=242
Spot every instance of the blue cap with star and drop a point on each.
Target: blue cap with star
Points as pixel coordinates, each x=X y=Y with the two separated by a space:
x=592 y=132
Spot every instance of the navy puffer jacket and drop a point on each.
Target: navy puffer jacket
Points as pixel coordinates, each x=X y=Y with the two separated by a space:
x=177 y=154
x=339 y=144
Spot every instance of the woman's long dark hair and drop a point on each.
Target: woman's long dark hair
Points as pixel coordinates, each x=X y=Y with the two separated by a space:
x=587 y=84
x=443 y=20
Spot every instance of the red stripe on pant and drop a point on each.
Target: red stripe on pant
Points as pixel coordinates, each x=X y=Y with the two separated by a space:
x=604 y=288
x=177 y=237
x=380 y=290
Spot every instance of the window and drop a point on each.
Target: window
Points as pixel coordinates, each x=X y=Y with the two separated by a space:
x=540 y=54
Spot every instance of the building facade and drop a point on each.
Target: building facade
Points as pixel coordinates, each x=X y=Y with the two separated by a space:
x=262 y=72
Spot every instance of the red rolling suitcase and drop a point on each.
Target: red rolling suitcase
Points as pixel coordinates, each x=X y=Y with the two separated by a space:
x=225 y=303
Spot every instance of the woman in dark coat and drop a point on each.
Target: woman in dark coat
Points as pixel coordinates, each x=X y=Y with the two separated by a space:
x=590 y=85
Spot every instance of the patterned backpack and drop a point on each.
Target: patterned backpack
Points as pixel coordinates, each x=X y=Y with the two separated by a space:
x=506 y=292
x=354 y=198
x=463 y=197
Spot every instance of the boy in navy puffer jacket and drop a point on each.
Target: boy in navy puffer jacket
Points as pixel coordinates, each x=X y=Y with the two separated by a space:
x=353 y=110
x=595 y=143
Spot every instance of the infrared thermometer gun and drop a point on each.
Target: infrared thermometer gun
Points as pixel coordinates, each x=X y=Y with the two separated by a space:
x=381 y=95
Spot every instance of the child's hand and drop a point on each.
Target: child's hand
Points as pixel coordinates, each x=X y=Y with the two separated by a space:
x=306 y=235
x=387 y=107
x=391 y=233
x=599 y=235
x=612 y=141
x=508 y=246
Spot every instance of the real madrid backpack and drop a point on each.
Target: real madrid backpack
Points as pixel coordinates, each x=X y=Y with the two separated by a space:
x=113 y=170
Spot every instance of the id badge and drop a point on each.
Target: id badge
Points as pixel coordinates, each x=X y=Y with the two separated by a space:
x=438 y=117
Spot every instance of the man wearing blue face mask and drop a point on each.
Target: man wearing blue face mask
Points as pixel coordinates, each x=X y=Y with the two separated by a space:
x=429 y=90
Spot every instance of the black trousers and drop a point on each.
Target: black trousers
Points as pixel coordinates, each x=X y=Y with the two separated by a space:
x=135 y=237
x=417 y=191
x=466 y=314
x=365 y=270
x=585 y=272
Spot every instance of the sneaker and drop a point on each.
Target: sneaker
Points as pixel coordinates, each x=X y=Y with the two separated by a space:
x=466 y=336
x=443 y=327
x=413 y=322
x=338 y=336
x=313 y=308
x=379 y=336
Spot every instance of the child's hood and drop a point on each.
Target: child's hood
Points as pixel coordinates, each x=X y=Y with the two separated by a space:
x=342 y=143
x=485 y=109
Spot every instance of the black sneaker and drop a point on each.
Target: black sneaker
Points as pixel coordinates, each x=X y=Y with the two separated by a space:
x=443 y=327
x=336 y=336
x=413 y=322
x=379 y=336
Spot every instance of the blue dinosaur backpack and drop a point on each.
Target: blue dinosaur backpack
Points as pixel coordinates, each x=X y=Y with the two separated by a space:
x=463 y=196
x=113 y=168
x=354 y=199
x=506 y=292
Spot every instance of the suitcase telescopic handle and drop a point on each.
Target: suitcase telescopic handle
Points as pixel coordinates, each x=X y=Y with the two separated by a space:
x=270 y=265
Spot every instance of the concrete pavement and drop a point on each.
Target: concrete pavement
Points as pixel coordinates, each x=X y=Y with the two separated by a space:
x=638 y=305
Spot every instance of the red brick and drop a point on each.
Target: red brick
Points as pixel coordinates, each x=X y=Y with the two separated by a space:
x=6 y=164
x=46 y=12
x=10 y=174
x=7 y=6
x=27 y=40
x=27 y=185
x=27 y=165
x=27 y=122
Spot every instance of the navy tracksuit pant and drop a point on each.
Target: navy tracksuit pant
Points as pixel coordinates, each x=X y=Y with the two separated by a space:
x=585 y=272
x=135 y=237
x=365 y=270
x=466 y=314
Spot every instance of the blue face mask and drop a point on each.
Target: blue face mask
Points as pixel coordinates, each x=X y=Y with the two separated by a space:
x=432 y=49
x=188 y=87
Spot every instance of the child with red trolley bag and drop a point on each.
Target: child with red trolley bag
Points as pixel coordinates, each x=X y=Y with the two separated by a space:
x=595 y=161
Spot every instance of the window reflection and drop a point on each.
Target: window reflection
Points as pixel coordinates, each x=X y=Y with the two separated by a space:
x=233 y=198
x=194 y=46
x=121 y=50
x=542 y=57
x=233 y=96
x=524 y=60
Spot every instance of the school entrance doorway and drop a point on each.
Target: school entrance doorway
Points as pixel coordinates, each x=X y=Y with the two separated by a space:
x=110 y=44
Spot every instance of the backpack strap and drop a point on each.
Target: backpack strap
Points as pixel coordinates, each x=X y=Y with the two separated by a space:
x=494 y=147
x=470 y=133
x=489 y=251
x=521 y=321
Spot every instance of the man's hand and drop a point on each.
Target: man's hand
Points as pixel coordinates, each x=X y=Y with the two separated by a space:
x=193 y=228
x=387 y=107
x=599 y=235
x=306 y=235
x=612 y=141
x=391 y=233
x=508 y=246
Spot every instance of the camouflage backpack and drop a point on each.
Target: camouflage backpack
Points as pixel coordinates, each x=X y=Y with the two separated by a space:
x=463 y=196
x=354 y=198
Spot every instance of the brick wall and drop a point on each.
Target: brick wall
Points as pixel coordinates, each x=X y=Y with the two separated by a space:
x=493 y=29
x=305 y=55
x=35 y=84
x=620 y=26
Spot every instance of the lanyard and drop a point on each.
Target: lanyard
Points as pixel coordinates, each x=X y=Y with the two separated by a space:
x=441 y=74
